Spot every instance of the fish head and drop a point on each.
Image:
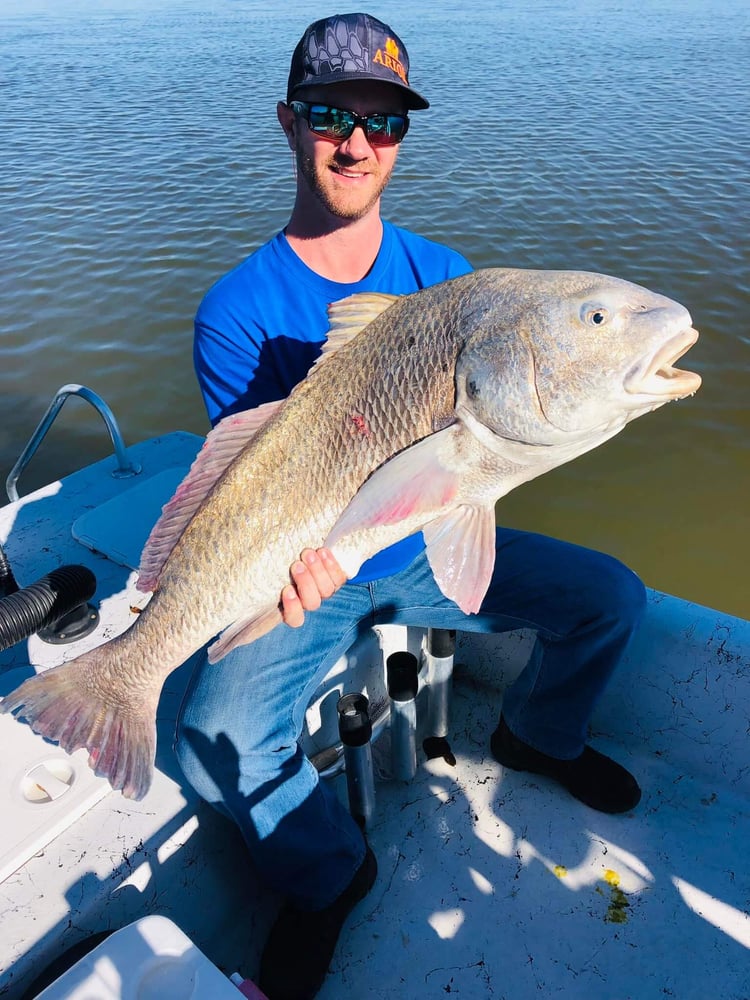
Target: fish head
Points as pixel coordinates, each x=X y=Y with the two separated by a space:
x=560 y=355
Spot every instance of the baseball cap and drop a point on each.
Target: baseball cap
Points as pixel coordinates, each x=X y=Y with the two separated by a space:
x=351 y=47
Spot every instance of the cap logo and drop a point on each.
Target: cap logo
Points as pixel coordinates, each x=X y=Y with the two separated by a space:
x=390 y=59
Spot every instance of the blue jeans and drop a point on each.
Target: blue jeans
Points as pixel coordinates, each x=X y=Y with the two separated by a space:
x=238 y=726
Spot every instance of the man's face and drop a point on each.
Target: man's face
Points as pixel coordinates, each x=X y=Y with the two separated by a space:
x=347 y=177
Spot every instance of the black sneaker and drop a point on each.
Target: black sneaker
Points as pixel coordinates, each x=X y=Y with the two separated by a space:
x=592 y=778
x=301 y=944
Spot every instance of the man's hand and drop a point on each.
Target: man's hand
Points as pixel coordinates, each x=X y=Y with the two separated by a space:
x=315 y=576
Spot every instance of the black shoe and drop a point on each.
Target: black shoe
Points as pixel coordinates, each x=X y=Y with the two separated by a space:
x=596 y=780
x=302 y=942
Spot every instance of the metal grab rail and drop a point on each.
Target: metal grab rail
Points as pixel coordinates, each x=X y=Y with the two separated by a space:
x=124 y=468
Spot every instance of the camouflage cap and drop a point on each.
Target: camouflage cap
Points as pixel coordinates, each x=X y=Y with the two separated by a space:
x=351 y=47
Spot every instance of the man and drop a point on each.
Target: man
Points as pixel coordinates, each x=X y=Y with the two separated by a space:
x=257 y=332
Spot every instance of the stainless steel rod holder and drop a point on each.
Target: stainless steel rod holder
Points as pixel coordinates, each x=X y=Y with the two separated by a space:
x=439 y=655
x=355 y=731
x=402 y=671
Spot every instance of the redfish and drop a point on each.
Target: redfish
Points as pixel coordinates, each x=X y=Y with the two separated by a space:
x=422 y=412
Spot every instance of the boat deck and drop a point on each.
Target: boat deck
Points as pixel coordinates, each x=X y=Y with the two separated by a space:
x=491 y=883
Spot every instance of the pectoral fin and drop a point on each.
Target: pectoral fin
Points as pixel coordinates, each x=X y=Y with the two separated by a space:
x=417 y=483
x=426 y=486
x=461 y=553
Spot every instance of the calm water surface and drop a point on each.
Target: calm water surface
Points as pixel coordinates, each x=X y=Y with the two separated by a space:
x=141 y=158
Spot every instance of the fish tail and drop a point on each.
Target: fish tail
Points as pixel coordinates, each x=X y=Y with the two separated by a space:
x=63 y=705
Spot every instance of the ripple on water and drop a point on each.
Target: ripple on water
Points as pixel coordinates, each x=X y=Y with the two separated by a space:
x=141 y=159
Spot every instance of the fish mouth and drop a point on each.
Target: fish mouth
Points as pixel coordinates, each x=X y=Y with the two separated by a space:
x=661 y=378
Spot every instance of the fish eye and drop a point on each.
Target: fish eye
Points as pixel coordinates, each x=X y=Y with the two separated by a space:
x=594 y=315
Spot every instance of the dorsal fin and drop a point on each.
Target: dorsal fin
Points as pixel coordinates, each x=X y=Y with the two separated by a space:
x=350 y=316
x=220 y=448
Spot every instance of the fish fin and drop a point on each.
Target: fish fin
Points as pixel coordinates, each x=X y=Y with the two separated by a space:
x=246 y=630
x=417 y=481
x=461 y=553
x=350 y=316
x=60 y=705
x=221 y=447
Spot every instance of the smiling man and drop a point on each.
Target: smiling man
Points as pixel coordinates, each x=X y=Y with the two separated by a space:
x=257 y=333
x=345 y=180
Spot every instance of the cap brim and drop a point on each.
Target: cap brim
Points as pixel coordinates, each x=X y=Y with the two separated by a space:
x=414 y=101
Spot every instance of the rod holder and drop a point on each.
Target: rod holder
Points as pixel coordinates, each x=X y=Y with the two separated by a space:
x=355 y=732
x=402 y=673
x=439 y=655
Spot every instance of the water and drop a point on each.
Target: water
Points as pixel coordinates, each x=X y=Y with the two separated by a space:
x=141 y=158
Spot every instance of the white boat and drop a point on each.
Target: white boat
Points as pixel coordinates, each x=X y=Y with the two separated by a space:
x=491 y=883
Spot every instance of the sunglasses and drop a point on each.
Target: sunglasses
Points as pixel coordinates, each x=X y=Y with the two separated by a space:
x=336 y=124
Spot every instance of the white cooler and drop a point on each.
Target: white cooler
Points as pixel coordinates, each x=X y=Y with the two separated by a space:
x=150 y=959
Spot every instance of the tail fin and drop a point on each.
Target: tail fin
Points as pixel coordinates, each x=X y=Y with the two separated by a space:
x=121 y=739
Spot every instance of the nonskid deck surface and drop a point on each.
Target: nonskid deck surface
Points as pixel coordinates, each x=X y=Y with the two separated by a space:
x=498 y=884
x=491 y=883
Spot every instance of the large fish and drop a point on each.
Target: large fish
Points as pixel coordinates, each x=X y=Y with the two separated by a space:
x=421 y=413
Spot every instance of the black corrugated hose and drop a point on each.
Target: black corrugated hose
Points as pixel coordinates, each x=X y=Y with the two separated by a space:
x=8 y=583
x=25 y=611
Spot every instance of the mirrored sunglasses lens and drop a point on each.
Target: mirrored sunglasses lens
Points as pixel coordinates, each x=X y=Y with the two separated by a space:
x=333 y=123
x=386 y=130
